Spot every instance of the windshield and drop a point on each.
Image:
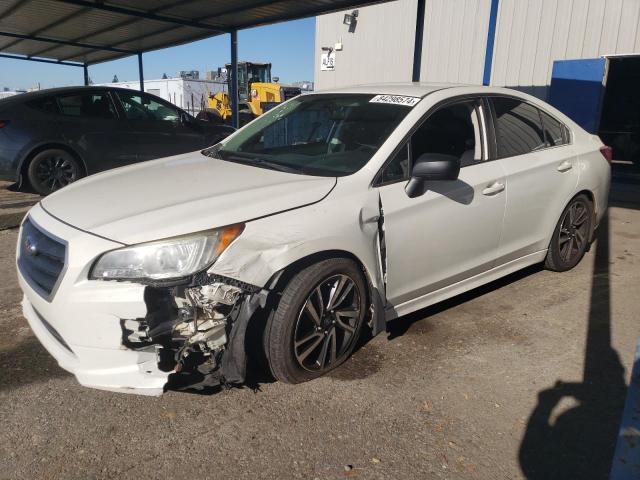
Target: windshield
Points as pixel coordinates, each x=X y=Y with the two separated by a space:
x=326 y=135
x=257 y=73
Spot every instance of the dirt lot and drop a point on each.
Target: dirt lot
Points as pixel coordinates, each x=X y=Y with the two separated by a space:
x=523 y=378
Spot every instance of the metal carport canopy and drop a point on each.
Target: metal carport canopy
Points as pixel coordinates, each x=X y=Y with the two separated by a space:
x=85 y=32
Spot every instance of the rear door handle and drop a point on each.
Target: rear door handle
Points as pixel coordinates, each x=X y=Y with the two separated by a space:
x=495 y=187
x=565 y=166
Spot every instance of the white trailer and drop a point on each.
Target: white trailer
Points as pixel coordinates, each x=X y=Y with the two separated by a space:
x=188 y=94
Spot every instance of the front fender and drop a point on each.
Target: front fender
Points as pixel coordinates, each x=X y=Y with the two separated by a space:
x=271 y=244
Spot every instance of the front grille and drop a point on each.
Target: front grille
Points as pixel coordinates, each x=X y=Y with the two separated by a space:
x=41 y=259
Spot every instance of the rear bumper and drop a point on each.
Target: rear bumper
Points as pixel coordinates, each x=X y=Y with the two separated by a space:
x=80 y=326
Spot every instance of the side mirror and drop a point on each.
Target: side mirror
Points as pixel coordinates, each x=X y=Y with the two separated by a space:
x=185 y=118
x=432 y=167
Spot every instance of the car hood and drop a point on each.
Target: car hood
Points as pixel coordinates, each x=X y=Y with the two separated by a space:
x=178 y=195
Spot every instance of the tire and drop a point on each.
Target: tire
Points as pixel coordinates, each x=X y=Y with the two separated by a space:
x=245 y=116
x=52 y=169
x=571 y=236
x=211 y=116
x=293 y=321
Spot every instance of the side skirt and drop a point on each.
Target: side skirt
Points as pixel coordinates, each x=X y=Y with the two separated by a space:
x=464 y=285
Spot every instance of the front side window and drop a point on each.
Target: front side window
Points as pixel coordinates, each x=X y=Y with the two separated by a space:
x=452 y=130
x=142 y=107
x=92 y=105
x=328 y=135
x=518 y=127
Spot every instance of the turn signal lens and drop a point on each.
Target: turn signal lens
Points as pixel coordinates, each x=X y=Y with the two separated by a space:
x=607 y=153
x=228 y=235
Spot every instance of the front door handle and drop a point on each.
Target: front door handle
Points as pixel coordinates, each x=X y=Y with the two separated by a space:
x=565 y=166
x=495 y=187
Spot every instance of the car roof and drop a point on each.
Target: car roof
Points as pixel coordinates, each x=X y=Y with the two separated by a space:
x=421 y=89
x=25 y=97
x=413 y=89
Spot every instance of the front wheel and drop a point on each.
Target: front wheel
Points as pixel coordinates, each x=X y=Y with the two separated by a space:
x=51 y=170
x=571 y=236
x=317 y=322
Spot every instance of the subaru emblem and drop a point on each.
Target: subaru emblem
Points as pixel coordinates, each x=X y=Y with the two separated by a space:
x=30 y=246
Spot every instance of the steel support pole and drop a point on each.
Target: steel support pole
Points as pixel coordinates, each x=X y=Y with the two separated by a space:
x=86 y=74
x=491 y=38
x=417 y=45
x=233 y=84
x=140 y=72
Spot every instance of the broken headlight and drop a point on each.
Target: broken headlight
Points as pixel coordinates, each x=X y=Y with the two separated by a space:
x=168 y=259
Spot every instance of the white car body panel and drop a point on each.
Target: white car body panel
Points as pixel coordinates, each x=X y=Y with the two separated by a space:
x=450 y=220
x=87 y=315
x=451 y=239
x=179 y=195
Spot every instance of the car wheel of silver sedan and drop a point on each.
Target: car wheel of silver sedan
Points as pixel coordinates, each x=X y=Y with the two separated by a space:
x=571 y=236
x=317 y=322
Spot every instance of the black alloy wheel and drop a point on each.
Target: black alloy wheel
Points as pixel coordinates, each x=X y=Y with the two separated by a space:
x=317 y=321
x=327 y=323
x=50 y=170
x=572 y=235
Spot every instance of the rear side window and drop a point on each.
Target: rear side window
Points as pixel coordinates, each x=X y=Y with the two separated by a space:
x=518 y=127
x=46 y=104
x=555 y=133
x=92 y=105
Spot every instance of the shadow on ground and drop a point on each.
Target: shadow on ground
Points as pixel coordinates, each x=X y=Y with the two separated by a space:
x=25 y=363
x=580 y=442
x=398 y=327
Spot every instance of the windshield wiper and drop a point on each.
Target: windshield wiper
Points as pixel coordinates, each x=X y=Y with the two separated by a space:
x=212 y=152
x=265 y=163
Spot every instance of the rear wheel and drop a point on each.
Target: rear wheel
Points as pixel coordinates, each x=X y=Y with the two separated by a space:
x=317 y=322
x=52 y=169
x=571 y=236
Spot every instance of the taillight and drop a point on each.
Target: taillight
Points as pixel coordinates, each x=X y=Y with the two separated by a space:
x=4 y=123
x=607 y=153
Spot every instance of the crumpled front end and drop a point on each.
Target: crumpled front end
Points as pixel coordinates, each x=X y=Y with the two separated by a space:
x=197 y=330
x=125 y=336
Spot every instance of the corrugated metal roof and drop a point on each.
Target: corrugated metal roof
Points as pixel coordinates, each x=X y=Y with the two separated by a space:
x=97 y=31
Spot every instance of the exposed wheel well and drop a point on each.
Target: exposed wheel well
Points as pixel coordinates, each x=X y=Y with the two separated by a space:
x=591 y=197
x=280 y=279
x=41 y=148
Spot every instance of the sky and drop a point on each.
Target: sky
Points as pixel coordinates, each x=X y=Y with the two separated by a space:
x=288 y=46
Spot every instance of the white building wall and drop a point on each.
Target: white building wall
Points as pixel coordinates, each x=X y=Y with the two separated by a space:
x=454 y=41
x=380 y=49
x=531 y=34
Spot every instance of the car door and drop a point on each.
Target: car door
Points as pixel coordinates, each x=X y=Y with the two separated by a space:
x=538 y=160
x=89 y=123
x=155 y=127
x=451 y=231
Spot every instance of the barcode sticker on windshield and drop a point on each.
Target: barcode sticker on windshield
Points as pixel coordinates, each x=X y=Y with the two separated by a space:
x=395 y=100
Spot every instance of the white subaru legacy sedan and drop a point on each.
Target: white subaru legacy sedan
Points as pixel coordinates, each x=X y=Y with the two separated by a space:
x=333 y=213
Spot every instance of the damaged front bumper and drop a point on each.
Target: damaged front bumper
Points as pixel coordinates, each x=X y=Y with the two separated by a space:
x=197 y=330
x=134 y=338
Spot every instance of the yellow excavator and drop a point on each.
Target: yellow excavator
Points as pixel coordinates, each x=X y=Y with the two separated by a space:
x=256 y=95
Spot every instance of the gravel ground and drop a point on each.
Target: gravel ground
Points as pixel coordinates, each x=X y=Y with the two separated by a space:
x=524 y=378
